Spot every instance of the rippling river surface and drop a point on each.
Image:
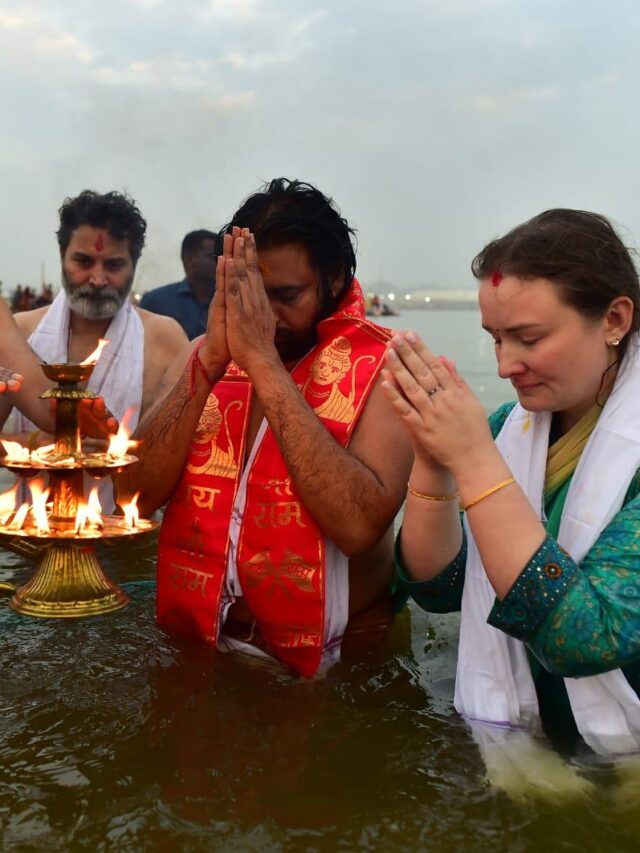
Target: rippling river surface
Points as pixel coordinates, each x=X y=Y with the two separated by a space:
x=116 y=736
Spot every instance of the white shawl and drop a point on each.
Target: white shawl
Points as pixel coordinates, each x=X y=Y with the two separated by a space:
x=494 y=683
x=118 y=375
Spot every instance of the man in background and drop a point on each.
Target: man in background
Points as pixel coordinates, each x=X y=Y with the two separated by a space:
x=101 y=237
x=188 y=301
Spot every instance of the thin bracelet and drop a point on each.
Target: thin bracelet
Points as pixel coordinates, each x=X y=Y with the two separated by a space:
x=489 y=492
x=424 y=497
x=196 y=364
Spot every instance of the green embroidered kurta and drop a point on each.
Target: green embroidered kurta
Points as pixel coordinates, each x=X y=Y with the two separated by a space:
x=576 y=620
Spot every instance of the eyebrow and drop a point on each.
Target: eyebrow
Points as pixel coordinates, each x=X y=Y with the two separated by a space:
x=79 y=254
x=518 y=328
x=280 y=287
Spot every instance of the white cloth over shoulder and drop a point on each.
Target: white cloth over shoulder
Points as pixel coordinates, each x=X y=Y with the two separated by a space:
x=118 y=374
x=494 y=683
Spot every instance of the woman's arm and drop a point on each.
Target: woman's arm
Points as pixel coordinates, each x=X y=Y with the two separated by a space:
x=443 y=593
x=449 y=425
x=580 y=620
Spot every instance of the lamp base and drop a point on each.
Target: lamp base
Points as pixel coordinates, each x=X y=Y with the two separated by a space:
x=69 y=583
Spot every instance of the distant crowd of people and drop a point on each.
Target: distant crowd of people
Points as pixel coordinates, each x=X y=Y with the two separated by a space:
x=25 y=298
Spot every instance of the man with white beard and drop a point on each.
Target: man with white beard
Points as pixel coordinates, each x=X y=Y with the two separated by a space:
x=101 y=238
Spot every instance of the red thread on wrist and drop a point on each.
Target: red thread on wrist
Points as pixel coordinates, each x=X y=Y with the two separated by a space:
x=196 y=364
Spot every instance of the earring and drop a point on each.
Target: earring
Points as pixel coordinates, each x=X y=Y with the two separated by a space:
x=614 y=342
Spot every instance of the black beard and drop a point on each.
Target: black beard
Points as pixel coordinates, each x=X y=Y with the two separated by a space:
x=292 y=348
x=93 y=303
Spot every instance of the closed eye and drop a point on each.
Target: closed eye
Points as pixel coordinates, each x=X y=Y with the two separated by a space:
x=285 y=295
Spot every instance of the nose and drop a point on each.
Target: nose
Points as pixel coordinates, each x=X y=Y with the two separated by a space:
x=274 y=310
x=98 y=277
x=509 y=365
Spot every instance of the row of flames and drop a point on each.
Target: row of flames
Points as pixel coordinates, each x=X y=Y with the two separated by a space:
x=119 y=446
x=89 y=515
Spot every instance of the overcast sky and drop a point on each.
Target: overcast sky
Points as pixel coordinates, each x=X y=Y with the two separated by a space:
x=435 y=124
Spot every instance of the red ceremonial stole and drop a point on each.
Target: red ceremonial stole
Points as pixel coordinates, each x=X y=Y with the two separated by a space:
x=281 y=552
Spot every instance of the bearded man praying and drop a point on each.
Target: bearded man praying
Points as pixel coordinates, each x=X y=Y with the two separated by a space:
x=275 y=447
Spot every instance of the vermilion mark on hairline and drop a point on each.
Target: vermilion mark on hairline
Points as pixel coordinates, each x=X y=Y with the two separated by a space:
x=100 y=242
x=496 y=278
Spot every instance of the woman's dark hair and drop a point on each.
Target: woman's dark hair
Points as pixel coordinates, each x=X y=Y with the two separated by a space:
x=578 y=251
x=288 y=211
x=116 y=212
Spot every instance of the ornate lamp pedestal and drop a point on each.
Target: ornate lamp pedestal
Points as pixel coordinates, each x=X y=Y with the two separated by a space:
x=61 y=526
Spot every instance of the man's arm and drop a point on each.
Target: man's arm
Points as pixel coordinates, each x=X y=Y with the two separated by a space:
x=18 y=357
x=353 y=494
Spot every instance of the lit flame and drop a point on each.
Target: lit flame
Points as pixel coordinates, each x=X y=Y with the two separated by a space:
x=39 y=497
x=43 y=452
x=120 y=444
x=15 y=451
x=89 y=514
x=95 y=355
x=19 y=518
x=95 y=508
x=8 y=503
x=131 y=514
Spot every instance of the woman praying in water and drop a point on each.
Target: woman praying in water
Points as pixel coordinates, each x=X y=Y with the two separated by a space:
x=545 y=565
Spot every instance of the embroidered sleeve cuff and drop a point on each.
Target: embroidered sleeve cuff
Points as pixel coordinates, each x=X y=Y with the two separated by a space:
x=543 y=583
x=443 y=594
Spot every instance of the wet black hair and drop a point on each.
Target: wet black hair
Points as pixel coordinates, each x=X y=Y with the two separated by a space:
x=116 y=212
x=290 y=211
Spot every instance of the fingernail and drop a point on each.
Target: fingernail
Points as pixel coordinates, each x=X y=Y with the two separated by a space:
x=411 y=337
x=391 y=355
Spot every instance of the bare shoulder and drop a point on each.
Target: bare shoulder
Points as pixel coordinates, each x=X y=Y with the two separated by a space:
x=380 y=439
x=162 y=332
x=27 y=321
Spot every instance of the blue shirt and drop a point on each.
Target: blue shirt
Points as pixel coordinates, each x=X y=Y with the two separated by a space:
x=177 y=301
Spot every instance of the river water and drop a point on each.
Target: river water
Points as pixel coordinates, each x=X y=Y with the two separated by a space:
x=115 y=736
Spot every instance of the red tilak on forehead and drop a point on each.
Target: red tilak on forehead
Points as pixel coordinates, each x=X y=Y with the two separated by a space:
x=496 y=278
x=100 y=242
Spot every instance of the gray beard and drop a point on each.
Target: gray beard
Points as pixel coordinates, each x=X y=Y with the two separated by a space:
x=96 y=303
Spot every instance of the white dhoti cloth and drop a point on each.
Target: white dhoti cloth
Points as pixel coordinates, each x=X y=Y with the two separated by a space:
x=336 y=613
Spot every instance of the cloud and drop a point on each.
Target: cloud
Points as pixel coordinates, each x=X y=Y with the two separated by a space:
x=231 y=10
x=412 y=115
x=507 y=101
x=30 y=34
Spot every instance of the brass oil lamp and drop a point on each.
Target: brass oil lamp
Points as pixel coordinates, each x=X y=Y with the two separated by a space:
x=59 y=525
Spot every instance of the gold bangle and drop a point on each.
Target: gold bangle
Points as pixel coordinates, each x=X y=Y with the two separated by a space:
x=424 y=497
x=489 y=492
